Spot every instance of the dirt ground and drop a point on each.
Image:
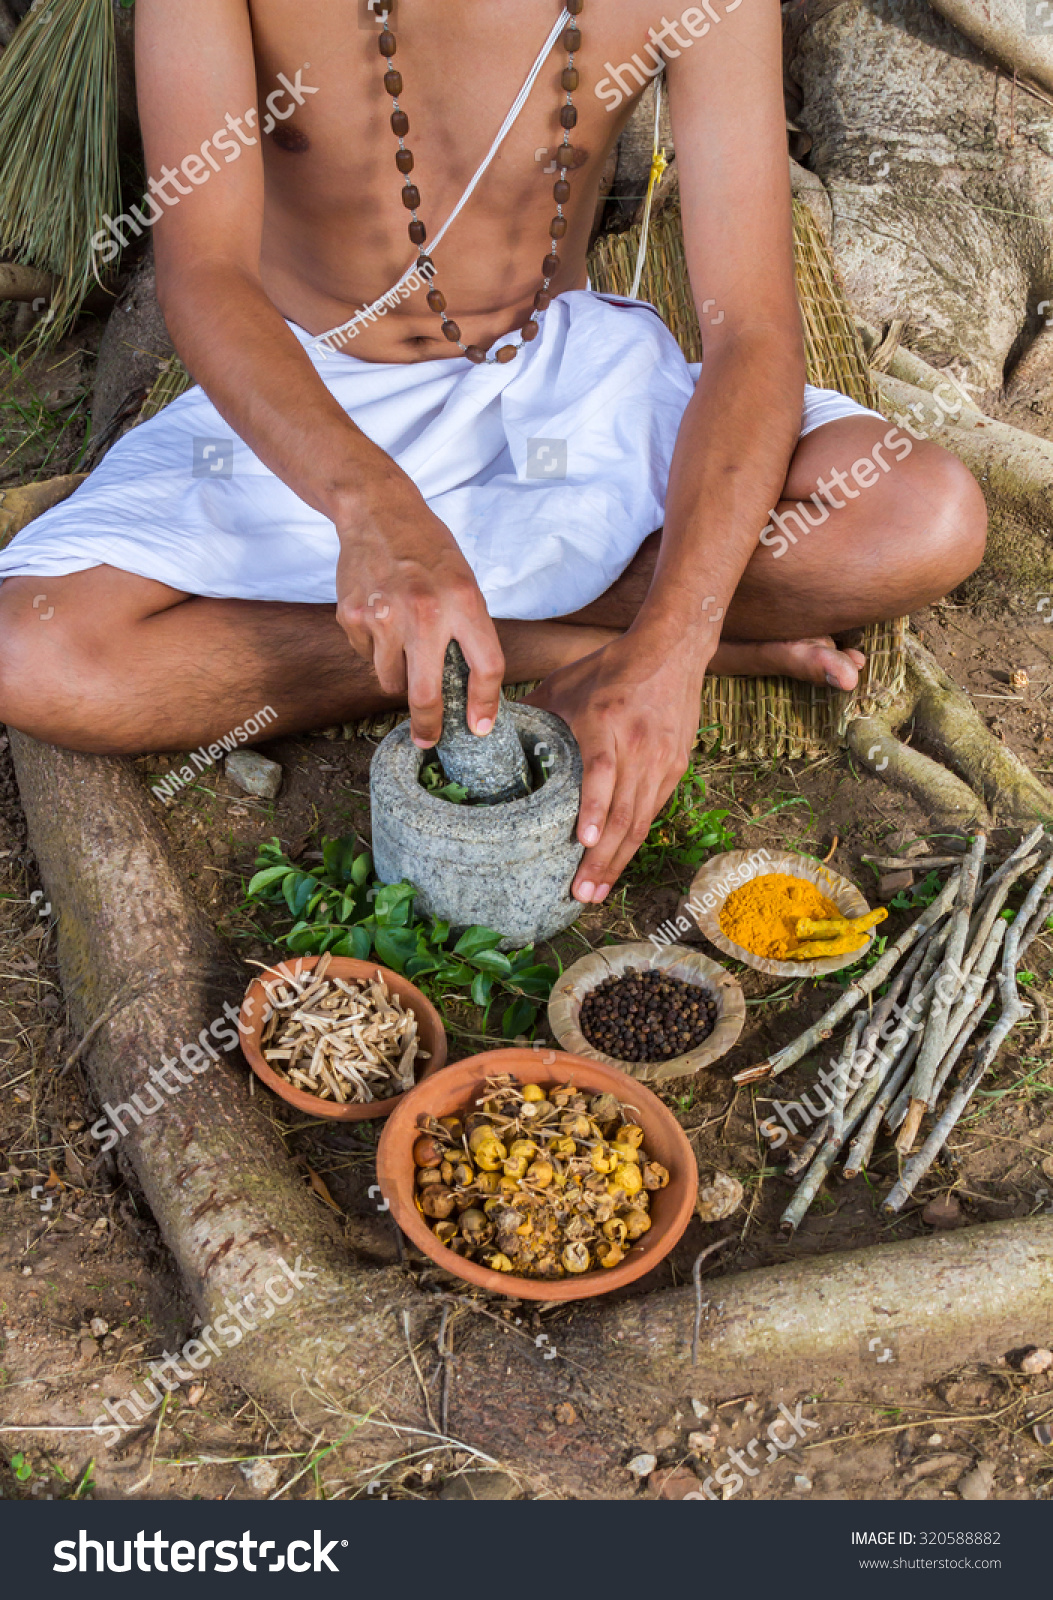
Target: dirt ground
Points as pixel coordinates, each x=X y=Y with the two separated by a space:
x=86 y=1290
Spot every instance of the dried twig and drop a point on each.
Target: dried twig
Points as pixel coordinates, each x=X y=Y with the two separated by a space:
x=959 y=1040
x=1034 y=910
x=862 y=1146
x=696 y=1274
x=933 y=1044
x=815 y=1141
x=843 y=1079
x=912 y=863
x=446 y=1354
x=853 y=1115
x=420 y=1376
x=996 y=893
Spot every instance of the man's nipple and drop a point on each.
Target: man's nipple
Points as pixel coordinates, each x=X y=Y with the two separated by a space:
x=289 y=138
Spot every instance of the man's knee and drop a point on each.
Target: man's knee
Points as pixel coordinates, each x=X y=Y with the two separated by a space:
x=52 y=662
x=945 y=513
x=24 y=650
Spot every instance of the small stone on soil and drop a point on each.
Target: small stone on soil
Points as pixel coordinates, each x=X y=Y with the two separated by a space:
x=480 y=1486
x=1036 y=1361
x=944 y=1212
x=262 y=1475
x=254 y=774
x=99 y=1327
x=977 y=1485
x=699 y=1408
x=643 y=1465
x=676 y=1484
x=890 y=884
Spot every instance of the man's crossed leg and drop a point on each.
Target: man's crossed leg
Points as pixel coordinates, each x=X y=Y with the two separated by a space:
x=125 y=665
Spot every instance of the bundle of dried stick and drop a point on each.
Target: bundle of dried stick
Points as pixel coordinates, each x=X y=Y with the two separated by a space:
x=350 y=1042
x=900 y=1051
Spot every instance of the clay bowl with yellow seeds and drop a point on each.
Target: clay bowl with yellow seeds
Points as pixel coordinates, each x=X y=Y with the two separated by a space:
x=457 y=1090
x=721 y=876
x=674 y=960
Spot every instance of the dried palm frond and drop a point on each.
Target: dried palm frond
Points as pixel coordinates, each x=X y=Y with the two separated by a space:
x=833 y=349
x=172 y=381
x=58 y=146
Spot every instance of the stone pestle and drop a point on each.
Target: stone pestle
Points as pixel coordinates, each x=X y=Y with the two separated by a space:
x=491 y=767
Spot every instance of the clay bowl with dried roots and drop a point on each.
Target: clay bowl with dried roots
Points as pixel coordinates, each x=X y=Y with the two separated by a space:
x=455 y=1092
x=690 y=966
x=723 y=874
x=255 y=1011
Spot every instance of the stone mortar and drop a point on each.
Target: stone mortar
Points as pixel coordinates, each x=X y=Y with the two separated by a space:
x=507 y=866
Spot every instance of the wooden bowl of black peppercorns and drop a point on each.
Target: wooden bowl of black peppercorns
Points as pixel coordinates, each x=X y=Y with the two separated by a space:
x=654 y=1012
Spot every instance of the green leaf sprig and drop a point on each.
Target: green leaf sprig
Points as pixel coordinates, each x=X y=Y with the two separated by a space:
x=342 y=907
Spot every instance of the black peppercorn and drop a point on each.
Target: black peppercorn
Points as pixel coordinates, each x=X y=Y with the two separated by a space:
x=647 y=1016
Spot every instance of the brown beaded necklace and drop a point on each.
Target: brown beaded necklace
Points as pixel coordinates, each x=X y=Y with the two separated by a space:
x=567 y=158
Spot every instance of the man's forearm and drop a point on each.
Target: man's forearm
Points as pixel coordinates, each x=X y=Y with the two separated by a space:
x=732 y=455
x=260 y=379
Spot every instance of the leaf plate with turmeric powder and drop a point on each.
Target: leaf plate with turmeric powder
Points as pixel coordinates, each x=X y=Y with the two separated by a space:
x=757 y=897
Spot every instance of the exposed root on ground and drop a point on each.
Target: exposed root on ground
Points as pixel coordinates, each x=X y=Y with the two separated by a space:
x=975 y=780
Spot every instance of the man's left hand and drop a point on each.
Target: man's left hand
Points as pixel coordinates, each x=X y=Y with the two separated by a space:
x=634 y=712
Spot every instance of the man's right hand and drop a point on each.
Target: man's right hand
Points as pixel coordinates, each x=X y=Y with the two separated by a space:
x=404 y=590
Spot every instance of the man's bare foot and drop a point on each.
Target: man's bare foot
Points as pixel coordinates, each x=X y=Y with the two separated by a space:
x=811 y=660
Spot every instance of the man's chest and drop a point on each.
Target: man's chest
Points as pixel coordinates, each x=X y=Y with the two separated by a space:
x=461 y=63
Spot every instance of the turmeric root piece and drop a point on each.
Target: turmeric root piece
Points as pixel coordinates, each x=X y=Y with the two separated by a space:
x=819 y=949
x=839 y=927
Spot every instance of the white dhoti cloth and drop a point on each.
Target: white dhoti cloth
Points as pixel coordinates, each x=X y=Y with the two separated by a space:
x=549 y=471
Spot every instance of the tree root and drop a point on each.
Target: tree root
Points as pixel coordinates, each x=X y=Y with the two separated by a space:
x=991 y=782
x=24 y=283
x=18 y=507
x=137 y=955
x=943 y=796
x=1000 y=32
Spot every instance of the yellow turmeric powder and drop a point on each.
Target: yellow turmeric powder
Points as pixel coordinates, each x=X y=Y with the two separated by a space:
x=763 y=915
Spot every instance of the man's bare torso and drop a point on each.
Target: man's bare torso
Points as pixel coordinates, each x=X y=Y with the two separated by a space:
x=335 y=228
